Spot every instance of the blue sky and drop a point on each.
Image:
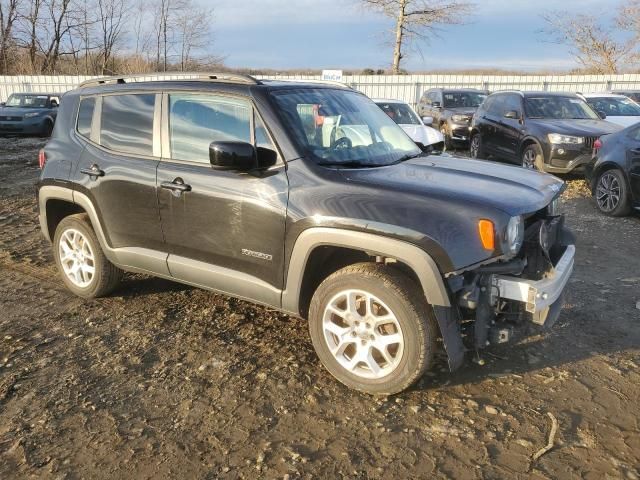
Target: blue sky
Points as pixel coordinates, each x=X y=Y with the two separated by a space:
x=283 y=34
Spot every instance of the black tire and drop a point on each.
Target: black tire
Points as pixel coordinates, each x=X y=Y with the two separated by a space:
x=47 y=128
x=611 y=193
x=448 y=145
x=405 y=300
x=106 y=276
x=533 y=158
x=476 y=148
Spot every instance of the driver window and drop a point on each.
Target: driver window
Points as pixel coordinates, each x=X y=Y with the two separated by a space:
x=197 y=120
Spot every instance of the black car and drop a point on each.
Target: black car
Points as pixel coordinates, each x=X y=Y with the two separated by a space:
x=29 y=114
x=551 y=132
x=614 y=174
x=450 y=111
x=307 y=198
x=632 y=94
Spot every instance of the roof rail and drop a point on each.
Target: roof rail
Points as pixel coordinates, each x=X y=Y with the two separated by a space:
x=166 y=76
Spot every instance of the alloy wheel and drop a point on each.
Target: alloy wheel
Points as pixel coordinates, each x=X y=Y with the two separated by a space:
x=529 y=159
x=362 y=334
x=76 y=258
x=608 y=192
x=475 y=146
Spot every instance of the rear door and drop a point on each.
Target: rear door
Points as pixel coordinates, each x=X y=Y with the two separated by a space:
x=117 y=169
x=633 y=157
x=225 y=229
x=509 y=130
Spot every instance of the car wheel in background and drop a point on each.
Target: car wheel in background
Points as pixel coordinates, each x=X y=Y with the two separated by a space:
x=475 y=146
x=445 y=135
x=611 y=193
x=372 y=328
x=47 y=128
x=532 y=157
x=85 y=269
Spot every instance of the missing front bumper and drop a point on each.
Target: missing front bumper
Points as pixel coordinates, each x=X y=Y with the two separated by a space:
x=541 y=298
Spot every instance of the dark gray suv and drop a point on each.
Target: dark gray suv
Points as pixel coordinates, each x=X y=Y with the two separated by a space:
x=451 y=111
x=307 y=198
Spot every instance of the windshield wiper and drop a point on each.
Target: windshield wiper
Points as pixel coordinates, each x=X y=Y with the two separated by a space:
x=409 y=156
x=351 y=163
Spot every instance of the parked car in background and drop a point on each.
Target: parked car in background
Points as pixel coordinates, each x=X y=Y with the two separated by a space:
x=405 y=116
x=450 y=111
x=29 y=114
x=615 y=108
x=614 y=173
x=632 y=94
x=551 y=132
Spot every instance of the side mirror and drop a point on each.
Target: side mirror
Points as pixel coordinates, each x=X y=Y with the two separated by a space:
x=513 y=114
x=239 y=156
x=601 y=114
x=427 y=120
x=436 y=105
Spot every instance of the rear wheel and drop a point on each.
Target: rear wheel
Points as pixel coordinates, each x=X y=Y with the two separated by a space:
x=84 y=268
x=532 y=157
x=372 y=328
x=47 y=128
x=611 y=193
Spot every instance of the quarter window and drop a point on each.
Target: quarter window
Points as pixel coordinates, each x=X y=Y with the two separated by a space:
x=127 y=123
x=197 y=120
x=85 y=116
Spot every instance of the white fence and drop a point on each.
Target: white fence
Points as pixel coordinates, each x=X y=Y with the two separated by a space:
x=402 y=87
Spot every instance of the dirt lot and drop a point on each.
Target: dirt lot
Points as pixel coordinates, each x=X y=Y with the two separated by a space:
x=166 y=381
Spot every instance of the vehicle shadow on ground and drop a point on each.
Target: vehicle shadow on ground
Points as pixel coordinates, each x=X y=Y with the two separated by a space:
x=135 y=285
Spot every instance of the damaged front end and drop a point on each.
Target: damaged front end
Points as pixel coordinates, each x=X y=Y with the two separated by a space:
x=499 y=300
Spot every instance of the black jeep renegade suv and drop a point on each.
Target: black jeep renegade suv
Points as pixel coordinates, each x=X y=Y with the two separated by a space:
x=305 y=197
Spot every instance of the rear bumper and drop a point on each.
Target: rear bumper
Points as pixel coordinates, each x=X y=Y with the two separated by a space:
x=539 y=296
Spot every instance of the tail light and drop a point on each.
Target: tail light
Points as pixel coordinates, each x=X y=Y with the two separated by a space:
x=42 y=158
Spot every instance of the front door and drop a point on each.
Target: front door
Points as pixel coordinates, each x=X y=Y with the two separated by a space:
x=224 y=229
x=633 y=155
x=509 y=130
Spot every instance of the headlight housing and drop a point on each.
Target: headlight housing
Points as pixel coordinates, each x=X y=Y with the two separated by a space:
x=515 y=234
x=552 y=208
x=460 y=118
x=31 y=115
x=559 y=139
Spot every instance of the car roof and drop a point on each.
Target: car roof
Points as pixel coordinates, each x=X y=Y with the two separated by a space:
x=454 y=90
x=38 y=94
x=602 y=95
x=388 y=100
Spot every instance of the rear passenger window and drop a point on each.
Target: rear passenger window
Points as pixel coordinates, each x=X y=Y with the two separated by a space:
x=85 y=116
x=197 y=120
x=127 y=123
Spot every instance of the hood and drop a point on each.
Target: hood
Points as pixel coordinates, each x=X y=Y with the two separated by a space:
x=623 y=121
x=462 y=110
x=579 y=128
x=18 y=111
x=511 y=189
x=423 y=134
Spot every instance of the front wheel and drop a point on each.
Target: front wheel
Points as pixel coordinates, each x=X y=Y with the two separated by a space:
x=85 y=269
x=372 y=328
x=475 y=147
x=611 y=193
x=532 y=157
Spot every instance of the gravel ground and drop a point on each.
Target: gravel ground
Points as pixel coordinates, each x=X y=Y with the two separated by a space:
x=162 y=380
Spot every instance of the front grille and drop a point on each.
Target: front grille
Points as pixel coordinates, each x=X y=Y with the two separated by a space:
x=589 y=141
x=10 y=119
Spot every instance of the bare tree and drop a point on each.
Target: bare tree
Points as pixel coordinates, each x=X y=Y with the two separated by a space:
x=193 y=29
x=591 y=43
x=629 y=17
x=9 y=11
x=111 y=20
x=418 y=19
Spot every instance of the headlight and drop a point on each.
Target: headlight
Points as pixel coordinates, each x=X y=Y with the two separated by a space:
x=557 y=138
x=460 y=118
x=515 y=234
x=31 y=115
x=552 y=208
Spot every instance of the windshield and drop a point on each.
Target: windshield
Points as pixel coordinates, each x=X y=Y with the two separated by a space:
x=615 y=107
x=343 y=127
x=27 y=101
x=463 y=99
x=561 y=108
x=401 y=113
